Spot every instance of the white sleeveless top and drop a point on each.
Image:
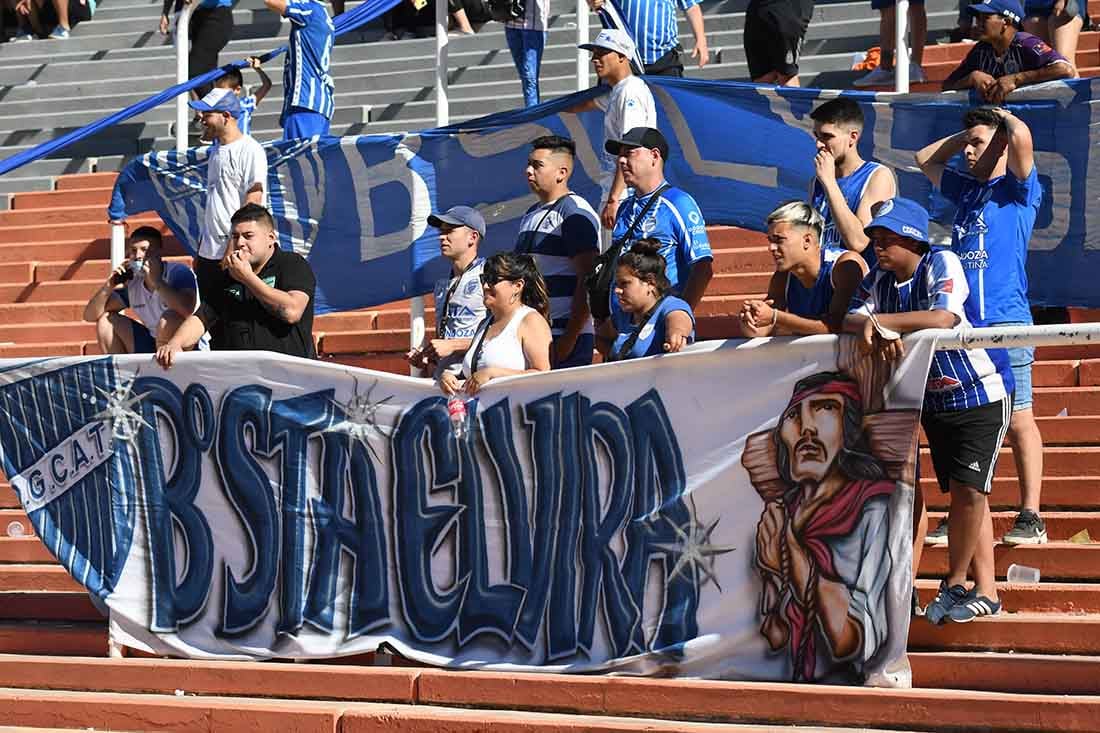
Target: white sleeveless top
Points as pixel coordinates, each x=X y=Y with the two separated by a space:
x=504 y=351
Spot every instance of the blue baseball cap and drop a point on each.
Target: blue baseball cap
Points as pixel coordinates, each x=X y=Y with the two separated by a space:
x=218 y=100
x=1010 y=9
x=460 y=216
x=901 y=216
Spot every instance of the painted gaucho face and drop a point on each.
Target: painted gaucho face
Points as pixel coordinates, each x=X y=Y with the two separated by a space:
x=813 y=433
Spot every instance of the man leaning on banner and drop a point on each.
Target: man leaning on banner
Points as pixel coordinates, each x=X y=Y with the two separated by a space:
x=661 y=211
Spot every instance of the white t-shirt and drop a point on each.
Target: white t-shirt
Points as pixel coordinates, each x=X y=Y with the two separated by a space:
x=149 y=306
x=629 y=105
x=231 y=171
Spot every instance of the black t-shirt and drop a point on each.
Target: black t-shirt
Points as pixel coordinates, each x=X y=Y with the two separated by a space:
x=238 y=321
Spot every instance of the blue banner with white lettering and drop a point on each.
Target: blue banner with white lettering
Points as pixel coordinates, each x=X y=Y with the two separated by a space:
x=357 y=207
x=606 y=518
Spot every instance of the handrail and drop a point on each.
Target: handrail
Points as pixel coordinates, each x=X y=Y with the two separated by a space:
x=183 y=38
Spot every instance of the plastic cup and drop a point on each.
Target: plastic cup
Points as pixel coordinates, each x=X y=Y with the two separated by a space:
x=1022 y=574
x=16 y=528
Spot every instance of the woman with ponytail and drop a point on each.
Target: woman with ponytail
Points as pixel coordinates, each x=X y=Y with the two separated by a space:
x=515 y=337
x=659 y=322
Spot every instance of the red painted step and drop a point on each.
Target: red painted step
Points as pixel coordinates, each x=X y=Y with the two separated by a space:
x=1058 y=461
x=1045 y=597
x=1060 y=525
x=1059 y=492
x=1061 y=561
x=97 y=197
x=74 y=181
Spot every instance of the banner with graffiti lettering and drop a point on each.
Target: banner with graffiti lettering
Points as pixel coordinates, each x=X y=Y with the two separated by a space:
x=741 y=510
x=357 y=206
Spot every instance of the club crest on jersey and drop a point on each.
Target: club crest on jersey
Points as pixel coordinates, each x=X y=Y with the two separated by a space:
x=943 y=383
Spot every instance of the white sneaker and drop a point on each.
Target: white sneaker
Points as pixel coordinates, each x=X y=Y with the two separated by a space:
x=879 y=77
x=916 y=74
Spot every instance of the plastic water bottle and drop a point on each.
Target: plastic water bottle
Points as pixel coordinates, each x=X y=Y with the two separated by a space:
x=16 y=528
x=456 y=410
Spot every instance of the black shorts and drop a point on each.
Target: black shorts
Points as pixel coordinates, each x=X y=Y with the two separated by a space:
x=965 y=443
x=772 y=42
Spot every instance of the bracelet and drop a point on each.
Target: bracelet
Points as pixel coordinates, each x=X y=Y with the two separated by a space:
x=775 y=316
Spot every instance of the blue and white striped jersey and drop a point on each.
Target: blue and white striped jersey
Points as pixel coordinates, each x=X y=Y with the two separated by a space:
x=652 y=25
x=306 y=81
x=958 y=379
x=555 y=233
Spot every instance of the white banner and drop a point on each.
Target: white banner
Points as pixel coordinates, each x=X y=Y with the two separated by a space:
x=742 y=510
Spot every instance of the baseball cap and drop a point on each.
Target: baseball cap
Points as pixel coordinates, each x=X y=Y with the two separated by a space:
x=901 y=216
x=639 y=137
x=1010 y=9
x=613 y=39
x=460 y=216
x=218 y=100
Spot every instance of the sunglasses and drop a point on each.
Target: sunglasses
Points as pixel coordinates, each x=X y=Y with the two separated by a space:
x=489 y=280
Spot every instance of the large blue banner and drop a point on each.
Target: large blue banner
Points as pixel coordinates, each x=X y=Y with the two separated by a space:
x=357 y=207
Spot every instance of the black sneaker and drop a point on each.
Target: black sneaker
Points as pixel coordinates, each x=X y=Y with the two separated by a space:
x=946 y=597
x=1029 y=529
x=938 y=536
x=916 y=610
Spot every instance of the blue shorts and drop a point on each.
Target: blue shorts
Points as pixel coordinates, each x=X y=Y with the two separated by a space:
x=1040 y=9
x=581 y=354
x=144 y=343
x=1020 y=358
x=304 y=123
x=880 y=4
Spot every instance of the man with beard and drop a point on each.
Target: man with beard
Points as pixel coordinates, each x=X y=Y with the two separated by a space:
x=266 y=302
x=822 y=547
x=236 y=175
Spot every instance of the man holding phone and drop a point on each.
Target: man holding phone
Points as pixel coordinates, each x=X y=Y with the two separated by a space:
x=161 y=294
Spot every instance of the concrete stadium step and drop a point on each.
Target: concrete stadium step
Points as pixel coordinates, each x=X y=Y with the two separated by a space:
x=1061 y=561
x=69 y=638
x=56 y=606
x=1074 y=400
x=1059 y=461
x=1066 y=493
x=1060 y=525
x=1034 y=633
x=31 y=350
x=1010 y=673
x=1045 y=597
x=446 y=699
x=1051 y=674
x=29 y=334
x=37 y=579
x=180 y=713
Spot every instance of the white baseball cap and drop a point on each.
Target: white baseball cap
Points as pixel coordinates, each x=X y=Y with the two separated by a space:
x=612 y=39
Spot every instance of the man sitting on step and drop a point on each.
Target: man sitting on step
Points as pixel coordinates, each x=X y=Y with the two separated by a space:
x=1005 y=58
x=161 y=294
x=807 y=294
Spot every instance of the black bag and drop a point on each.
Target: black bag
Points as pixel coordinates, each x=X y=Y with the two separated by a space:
x=598 y=281
x=506 y=10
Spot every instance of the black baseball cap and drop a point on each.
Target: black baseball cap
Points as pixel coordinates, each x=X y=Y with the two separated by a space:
x=639 y=137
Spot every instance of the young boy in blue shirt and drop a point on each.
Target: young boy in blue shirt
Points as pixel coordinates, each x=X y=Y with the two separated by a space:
x=967 y=401
x=997 y=200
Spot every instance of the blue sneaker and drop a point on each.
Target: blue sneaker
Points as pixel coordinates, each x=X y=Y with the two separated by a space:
x=23 y=36
x=59 y=32
x=946 y=597
x=971 y=607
